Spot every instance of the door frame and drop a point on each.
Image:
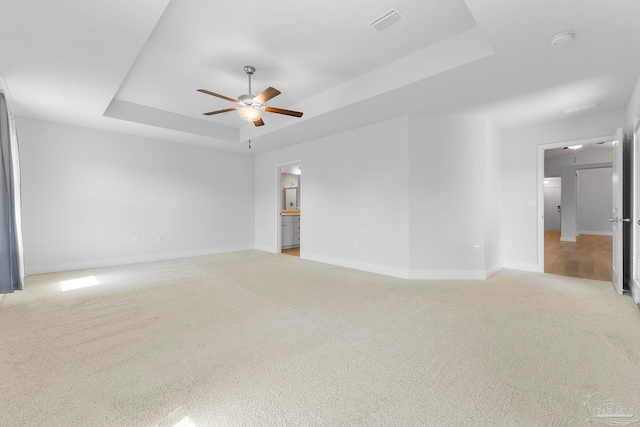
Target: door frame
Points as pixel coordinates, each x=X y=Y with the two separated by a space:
x=540 y=184
x=278 y=221
x=635 y=208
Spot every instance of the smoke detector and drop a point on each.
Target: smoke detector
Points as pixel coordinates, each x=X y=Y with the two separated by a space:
x=562 y=38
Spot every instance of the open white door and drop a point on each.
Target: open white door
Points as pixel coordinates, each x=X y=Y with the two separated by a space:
x=616 y=215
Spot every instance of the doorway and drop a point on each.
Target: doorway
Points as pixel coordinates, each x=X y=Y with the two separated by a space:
x=576 y=203
x=289 y=204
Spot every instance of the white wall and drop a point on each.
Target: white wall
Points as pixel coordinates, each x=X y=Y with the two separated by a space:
x=519 y=221
x=594 y=201
x=417 y=193
x=355 y=190
x=87 y=193
x=453 y=192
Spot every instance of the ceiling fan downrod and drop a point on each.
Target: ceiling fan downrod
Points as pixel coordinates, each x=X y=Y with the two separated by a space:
x=249 y=69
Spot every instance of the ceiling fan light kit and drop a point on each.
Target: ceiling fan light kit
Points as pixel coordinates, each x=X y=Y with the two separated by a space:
x=250 y=107
x=249 y=114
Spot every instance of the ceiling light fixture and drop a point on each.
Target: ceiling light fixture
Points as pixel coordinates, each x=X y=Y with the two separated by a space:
x=250 y=110
x=249 y=113
x=562 y=38
x=574 y=147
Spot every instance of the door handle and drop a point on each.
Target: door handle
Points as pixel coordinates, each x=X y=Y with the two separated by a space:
x=614 y=219
x=626 y=220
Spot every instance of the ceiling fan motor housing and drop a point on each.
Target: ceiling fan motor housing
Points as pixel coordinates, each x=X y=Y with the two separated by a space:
x=248 y=101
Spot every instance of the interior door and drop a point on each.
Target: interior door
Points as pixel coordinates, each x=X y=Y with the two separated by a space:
x=552 y=192
x=616 y=215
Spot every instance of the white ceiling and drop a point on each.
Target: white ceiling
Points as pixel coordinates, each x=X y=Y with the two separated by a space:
x=134 y=67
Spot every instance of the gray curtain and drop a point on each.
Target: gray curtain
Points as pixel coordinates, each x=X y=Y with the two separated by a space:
x=11 y=266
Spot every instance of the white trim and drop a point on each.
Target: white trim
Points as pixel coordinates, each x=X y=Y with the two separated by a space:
x=523 y=266
x=447 y=275
x=356 y=265
x=596 y=233
x=566 y=239
x=110 y=262
x=493 y=270
x=635 y=291
x=540 y=187
x=263 y=248
x=635 y=208
x=404 y=273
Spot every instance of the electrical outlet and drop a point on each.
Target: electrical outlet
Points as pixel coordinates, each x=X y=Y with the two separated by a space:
x=355 y=243
x=476 y=249
x=160 y=238
x=136 y=240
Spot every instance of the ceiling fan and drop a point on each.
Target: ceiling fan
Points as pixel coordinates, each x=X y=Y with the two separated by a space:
x=250 y=107
x=577 y=147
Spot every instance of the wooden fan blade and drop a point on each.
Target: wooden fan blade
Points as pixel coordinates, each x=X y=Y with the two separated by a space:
x=217 y=95
x=258 y=122
x=283 y=111
x=266 y=95
x=211 y=113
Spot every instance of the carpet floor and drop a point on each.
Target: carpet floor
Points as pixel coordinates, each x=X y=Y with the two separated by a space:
x=258 y=339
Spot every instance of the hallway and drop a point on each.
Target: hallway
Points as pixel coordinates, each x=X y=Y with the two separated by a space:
x=589 y=258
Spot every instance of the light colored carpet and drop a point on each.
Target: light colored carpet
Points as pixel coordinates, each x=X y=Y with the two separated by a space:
x=257 y=339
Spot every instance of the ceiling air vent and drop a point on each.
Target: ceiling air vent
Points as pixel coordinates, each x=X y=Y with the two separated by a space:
x=386 y=20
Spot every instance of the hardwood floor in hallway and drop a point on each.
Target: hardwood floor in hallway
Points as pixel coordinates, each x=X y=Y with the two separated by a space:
x=588 y=258
x=292 y=251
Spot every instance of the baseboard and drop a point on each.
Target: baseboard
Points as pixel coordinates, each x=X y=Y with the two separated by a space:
x=357 y=265
x=597 y=233
x=521 y=266
x=493 y=270
x=635 y=291
x=447 y=275
x=262 y=248
x=110 y=262
x=404 y=273
x=568 y=239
